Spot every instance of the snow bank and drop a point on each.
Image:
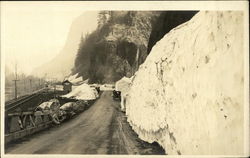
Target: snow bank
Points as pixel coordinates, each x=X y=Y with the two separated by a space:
x=76 y=80
x=82 y=92
x=72 y=77
x=52 y=104
x=123 y=85
x=188 y=94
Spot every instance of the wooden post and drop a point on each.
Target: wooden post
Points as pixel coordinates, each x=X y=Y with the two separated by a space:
x=24 y=119
x=32 y=121
x=15 y=81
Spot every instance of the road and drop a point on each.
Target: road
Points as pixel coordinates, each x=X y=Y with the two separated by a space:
x=102 y=129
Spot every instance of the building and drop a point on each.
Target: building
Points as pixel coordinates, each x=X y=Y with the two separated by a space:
x=67 y=86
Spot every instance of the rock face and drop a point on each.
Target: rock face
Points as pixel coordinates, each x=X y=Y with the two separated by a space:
x=166 y=22
x=116 y=48
x=188 y=95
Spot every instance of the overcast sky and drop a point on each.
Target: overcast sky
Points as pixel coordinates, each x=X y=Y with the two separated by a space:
x=33 y=33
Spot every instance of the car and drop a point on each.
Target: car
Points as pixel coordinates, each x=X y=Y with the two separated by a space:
x=116 y=95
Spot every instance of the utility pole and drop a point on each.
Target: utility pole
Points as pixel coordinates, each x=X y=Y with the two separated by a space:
x=15 y=81
x=30 y=85
x=24 y=85
x=54 y=84
x=39 y=83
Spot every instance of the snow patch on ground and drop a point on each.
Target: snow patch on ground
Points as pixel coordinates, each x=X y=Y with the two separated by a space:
x=72 y=77
x=188 y=94
x=83 y=92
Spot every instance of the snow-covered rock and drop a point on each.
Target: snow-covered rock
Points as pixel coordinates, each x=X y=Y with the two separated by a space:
x=189 y=94
x=83 y=92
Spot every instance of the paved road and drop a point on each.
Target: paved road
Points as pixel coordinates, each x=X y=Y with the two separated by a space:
x=102 y=129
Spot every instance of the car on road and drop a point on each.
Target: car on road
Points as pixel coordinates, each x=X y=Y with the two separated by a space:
x=116 y=95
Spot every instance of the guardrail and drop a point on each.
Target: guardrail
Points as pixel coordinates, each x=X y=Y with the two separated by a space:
x=25 y=122
x=21 y=124
x=20 y=118
x=13 y=105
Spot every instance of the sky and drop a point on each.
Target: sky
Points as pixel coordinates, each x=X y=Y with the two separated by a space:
x=34 y=33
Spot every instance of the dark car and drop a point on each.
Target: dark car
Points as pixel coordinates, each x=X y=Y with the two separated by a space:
x=117 y=95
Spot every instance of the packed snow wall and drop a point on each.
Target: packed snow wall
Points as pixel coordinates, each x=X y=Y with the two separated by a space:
x=123 y=85
x=188 y=95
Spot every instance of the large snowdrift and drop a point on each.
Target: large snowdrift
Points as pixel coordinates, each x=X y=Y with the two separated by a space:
x=123 y=85
x=83 y=92
x=188 y=94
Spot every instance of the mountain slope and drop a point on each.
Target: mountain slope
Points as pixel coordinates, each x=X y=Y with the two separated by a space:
x=117 y=47
x=120 y=44
x=61 y=65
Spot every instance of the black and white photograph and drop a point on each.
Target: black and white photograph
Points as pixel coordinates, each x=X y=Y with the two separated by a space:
x=124 y=78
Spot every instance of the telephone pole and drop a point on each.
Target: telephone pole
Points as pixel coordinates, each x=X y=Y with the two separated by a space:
x=24 y=85
x=30 y=85
x=15 y=81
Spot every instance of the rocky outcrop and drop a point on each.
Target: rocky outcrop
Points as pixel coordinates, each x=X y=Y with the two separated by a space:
x=121 y=42
x=188 y=95
x=166 y=22
x=117 y=47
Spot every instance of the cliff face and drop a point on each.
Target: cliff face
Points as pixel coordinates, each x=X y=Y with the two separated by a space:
x=116 y=48
x=121 y=43
x=189 y=93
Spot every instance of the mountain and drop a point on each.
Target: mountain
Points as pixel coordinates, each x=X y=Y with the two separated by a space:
x=61 y=65
x=120 y=43
x=188 y=95
x=116 y=48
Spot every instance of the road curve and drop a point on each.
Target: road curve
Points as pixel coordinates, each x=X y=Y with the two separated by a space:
x=102 y=129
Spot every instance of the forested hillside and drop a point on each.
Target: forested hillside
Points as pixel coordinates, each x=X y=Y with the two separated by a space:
x=121 y=43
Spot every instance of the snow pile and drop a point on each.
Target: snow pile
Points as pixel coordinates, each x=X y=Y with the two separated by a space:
x=76 y=80
x=72 y=77
x=123 y=85
x=188 y=94
x=83 y=92
x=52 y=104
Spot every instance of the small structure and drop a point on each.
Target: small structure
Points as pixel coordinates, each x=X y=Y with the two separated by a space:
x=67 y=86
